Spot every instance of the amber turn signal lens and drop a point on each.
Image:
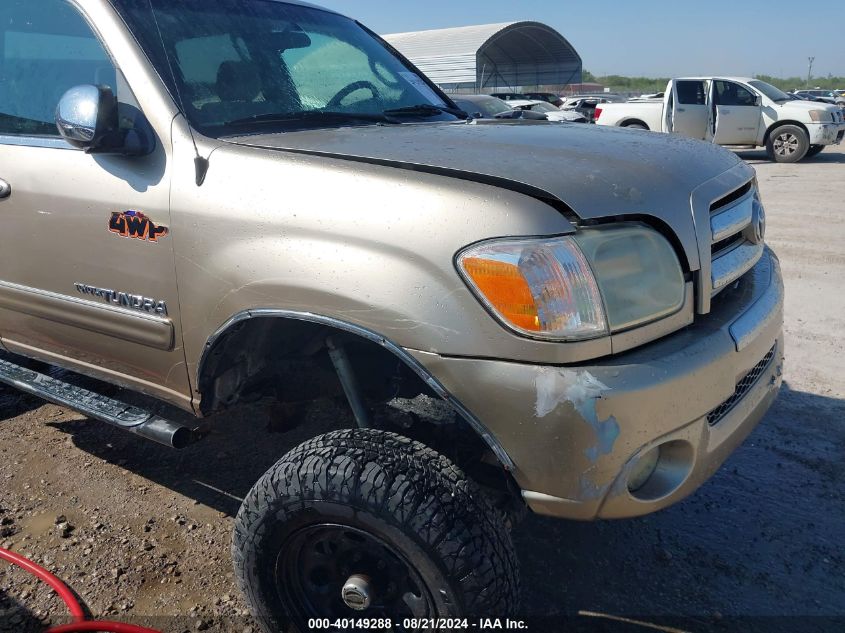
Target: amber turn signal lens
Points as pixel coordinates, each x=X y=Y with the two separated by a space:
x=541 y=288
x=506 y=289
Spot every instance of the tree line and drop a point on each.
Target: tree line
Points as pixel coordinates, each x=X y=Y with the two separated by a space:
x=621 y=83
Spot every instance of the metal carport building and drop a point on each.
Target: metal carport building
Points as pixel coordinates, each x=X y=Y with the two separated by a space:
x=489 y=57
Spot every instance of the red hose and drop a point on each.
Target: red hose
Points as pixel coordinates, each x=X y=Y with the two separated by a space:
x=80 y=625
x=45 y=576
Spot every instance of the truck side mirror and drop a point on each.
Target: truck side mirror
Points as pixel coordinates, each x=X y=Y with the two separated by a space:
x=87 y=118
x=758 y=100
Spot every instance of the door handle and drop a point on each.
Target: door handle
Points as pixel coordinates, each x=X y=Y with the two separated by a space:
x=5 y=189
x=681 y=109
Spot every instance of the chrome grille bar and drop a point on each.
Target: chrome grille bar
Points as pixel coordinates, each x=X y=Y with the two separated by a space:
x=708 y=201
x=731 y=221
x=734 y=264
x=732 y=249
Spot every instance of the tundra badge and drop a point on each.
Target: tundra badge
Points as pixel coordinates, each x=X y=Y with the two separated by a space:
x=124 y=299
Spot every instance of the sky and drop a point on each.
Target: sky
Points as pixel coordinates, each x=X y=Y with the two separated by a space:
x=648 y=38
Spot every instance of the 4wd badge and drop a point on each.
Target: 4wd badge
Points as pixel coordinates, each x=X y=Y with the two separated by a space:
x=136 y=225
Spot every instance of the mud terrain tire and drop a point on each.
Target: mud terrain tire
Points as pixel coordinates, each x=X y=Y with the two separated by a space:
x=412 y=511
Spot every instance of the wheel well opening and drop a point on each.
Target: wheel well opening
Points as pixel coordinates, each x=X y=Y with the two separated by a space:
x=780 y=124
x=285 y=362
x=630 y=122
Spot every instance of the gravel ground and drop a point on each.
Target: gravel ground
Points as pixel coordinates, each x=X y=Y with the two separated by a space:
x=142 y=533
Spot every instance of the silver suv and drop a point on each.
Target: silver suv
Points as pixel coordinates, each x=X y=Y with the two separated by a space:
x=219 y=201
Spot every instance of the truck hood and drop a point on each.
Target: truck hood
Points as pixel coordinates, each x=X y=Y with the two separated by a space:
x=806 y=106
x=593 y=172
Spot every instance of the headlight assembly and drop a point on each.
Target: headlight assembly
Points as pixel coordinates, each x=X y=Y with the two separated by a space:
x=638 y=273
x=821 y=116
x=599 y=281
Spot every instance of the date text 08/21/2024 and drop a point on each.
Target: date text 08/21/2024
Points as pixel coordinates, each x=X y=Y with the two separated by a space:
x=414 y=624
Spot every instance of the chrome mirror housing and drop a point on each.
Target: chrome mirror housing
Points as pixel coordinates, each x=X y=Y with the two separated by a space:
x=87 y=118
x=86 y=115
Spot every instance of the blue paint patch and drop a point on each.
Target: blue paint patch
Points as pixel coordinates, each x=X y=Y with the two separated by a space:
x=607 y=431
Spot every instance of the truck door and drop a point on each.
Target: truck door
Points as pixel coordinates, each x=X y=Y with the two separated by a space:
x=735 y=114
x=686 y=108
x=87 y=275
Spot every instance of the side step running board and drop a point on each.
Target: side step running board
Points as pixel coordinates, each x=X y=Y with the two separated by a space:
x=96 y=406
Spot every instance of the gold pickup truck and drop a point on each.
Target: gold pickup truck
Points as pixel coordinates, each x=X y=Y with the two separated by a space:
x=218 y=201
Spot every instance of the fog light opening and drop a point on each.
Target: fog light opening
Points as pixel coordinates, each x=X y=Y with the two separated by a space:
x=643 y=469
x=661 y=470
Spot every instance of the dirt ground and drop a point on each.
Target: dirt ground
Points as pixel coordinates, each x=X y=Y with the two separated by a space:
x=142 y=533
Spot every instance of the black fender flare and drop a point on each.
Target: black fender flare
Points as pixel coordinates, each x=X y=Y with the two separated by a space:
x=258 y=313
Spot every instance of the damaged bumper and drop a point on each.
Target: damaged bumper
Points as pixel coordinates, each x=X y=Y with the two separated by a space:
x=826 y=133
x=576 y=435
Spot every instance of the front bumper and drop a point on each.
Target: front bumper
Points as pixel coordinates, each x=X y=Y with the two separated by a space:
x=826 y=133
x=575 y=433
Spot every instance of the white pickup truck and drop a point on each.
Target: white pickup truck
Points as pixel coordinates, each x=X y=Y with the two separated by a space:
x=737 y=112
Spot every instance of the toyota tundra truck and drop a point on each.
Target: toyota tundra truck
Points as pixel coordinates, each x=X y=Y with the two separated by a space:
x=218 y=202
x=735 y=112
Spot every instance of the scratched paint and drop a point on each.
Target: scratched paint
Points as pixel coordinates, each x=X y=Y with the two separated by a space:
x=555 y=386
x=582 y=389
x=589 y=489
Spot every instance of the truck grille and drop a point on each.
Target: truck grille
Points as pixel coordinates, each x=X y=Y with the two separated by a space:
x=732 y=252
x=742 y=388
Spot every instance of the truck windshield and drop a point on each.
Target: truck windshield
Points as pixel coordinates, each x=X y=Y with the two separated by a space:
x=775 y=94
x=243 y=66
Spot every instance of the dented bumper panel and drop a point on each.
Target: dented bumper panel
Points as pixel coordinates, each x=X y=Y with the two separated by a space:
x=825 y=133
x=576 y=433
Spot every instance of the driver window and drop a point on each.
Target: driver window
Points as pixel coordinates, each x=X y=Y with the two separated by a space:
x=46 y=48
x=730 y=94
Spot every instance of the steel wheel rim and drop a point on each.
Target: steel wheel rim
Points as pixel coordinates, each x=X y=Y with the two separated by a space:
x=786 y=144
x=316 y=561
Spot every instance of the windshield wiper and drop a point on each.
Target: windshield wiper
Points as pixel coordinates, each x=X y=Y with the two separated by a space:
x=316 y=116
x=426 y=109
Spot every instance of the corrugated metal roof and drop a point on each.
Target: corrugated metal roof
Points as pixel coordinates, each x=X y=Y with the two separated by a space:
x=454 y=41
x=516 y=52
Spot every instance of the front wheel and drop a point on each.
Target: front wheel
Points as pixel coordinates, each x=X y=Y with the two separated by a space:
x=787 y=144
x=814 y=150
x=368 y=524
